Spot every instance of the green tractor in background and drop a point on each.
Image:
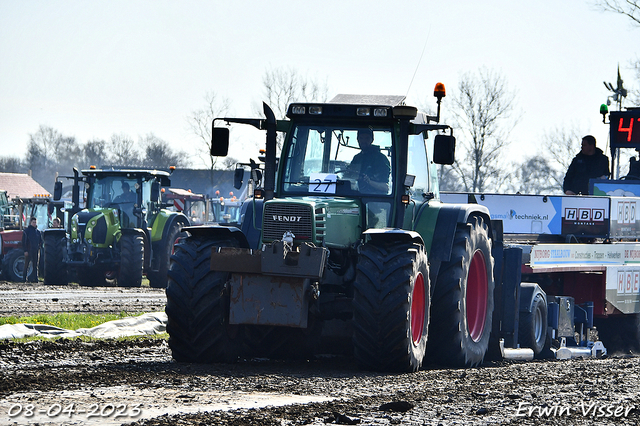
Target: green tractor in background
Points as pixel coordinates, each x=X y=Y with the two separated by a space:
x=122 y=233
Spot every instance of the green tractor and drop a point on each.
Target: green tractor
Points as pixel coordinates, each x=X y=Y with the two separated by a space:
x=122 y=233
x=346 y=248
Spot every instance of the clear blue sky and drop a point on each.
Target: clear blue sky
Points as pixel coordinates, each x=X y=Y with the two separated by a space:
x=94 y=68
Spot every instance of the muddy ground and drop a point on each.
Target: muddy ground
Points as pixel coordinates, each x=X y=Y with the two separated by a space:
x=113 y=383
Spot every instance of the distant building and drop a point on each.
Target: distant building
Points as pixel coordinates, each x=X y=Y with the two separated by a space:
x=21 y=185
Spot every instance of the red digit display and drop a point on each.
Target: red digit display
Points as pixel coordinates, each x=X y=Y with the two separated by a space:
x=628 y=129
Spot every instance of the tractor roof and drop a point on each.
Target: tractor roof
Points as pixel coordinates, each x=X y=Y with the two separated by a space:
x=357 y=108
x=388 y=100
x=125 y=172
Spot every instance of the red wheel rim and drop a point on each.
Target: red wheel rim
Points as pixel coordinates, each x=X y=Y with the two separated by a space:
x=476 y=299
x=173 y=247
x=417 y=309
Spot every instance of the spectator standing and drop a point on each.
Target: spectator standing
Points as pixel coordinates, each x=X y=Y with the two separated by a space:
x=590 y=163
x=31 y=241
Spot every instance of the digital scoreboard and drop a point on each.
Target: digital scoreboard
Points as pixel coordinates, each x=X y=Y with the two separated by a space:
x=625 y=128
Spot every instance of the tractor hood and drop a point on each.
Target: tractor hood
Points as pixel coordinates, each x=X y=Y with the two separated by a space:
x=93 y=225
x=332 y=222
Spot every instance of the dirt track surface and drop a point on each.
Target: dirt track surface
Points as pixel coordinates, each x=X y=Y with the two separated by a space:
x=113 y=383
x=18 y=299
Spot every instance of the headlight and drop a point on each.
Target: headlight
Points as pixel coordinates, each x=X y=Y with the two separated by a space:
x=380 y=112
x=363 y=112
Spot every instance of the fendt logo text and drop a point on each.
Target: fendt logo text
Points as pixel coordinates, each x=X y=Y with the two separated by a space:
x=286 y=218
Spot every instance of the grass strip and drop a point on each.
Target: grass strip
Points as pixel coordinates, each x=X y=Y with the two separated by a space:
x=69 y=321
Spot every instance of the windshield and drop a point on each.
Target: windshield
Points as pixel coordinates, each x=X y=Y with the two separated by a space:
x=337 y=160
x=112 y=190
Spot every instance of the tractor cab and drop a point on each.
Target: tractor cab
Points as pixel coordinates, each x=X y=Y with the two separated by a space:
x=133 y=195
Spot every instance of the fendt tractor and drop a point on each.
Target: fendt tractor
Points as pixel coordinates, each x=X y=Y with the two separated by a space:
x=325 y=255
x=347 y=248
x=122 y=233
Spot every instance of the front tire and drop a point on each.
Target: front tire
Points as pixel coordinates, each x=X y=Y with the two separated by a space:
x=462 y=311
x=55 y=270
x=391 y=306
x=198 y=304
x=131 y=260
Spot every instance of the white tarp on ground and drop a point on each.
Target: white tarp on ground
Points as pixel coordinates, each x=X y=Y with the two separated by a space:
x=150 y=323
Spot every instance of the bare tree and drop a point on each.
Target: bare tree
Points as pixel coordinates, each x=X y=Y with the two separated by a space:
x=200 y=124
x=449 y=180
x=532 y=176
x=635 y=94
x=628 y=8
x=561 y=144
x=42 y=152
x=42 y=146
x=158 y=154
x=123 y=151
x=282 y=86
x=11 y=165
x=68 y=153
x=483 y=109
x=94 y=153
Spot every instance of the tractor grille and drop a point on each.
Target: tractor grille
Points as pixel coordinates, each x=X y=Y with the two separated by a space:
x=280 y=218
x=100 y=231
x=83 y=220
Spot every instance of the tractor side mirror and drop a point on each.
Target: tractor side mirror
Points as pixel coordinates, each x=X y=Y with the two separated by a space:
x=57 y=191
x=155 y=191
x=444 y=149
x=238 y=177
x=219 y=141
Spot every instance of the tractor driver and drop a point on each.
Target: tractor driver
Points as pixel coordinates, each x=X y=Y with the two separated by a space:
x=370 y=165
x=127 y=195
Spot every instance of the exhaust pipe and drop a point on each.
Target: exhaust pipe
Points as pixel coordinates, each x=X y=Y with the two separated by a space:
x=519 y=354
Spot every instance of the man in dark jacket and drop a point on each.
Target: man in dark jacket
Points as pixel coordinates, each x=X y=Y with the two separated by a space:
x=590 y=163
x=31 y=239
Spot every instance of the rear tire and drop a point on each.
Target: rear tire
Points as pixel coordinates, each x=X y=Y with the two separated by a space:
x=159 y=279
x=55 y=270
x=391 y=306
x=532 y=327
x=131 y=260
x=198 y=304
x=462 y=304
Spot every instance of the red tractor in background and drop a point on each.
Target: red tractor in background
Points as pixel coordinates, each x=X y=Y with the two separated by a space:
x=15 y=216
